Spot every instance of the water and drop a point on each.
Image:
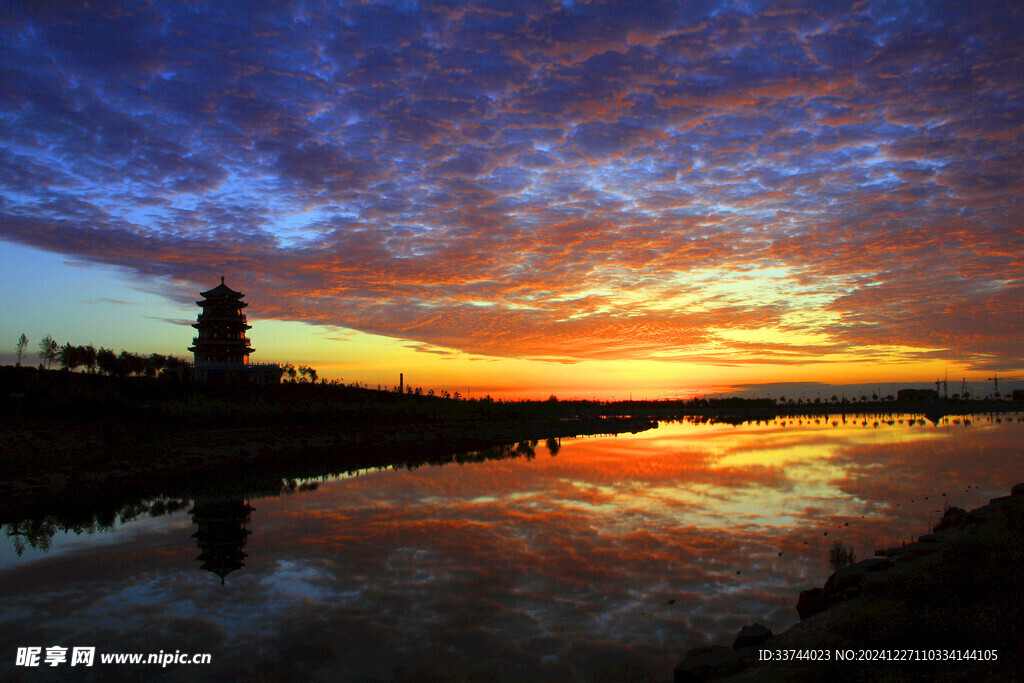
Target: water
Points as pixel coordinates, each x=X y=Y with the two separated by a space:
x=608 y=558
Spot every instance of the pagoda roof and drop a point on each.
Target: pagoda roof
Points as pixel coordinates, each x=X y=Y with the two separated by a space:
x=220 y=291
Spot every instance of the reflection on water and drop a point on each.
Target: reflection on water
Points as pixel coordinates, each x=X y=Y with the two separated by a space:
x=221 y=533
x=599 y=557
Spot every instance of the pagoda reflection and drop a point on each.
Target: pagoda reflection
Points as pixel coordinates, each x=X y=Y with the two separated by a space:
x=221 y=534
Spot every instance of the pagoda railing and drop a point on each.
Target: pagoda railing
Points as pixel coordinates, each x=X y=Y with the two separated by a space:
x=223 y=364
x=222 y=342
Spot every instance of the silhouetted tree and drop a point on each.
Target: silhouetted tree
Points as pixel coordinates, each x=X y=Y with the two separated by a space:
x=87 y=356
x=20 y=346
x=174 y=366
x=289 y=371
x=154 y=364
x=68 y=356
x=130 y=363
x=47 y=351
x=107 y=361
x=841 y=555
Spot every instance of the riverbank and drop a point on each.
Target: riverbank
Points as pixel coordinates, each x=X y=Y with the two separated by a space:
x=73 y=464
x=949 y=606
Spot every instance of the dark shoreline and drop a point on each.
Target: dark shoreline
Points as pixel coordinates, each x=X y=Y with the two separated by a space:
x=189 y=463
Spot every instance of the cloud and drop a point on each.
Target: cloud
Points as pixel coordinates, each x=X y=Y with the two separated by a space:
x=596 y=174
x=107 y=300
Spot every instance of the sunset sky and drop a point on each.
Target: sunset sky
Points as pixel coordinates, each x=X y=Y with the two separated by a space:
x=521 y=198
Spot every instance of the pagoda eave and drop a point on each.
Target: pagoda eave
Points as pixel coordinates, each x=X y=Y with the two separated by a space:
x=211 y=301
x=212 y=323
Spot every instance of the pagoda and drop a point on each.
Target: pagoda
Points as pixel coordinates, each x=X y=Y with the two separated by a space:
x=221 y=328
x=221 y=349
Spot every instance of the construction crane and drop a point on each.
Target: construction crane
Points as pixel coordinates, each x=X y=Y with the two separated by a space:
x=995 y=380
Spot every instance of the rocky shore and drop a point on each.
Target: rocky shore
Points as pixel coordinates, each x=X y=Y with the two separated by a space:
x=949 y=606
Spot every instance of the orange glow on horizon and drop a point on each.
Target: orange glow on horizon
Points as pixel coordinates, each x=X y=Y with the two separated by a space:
x=348 y=356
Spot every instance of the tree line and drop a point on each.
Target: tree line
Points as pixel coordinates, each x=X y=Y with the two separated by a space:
x=126 y=363
x=103 y=360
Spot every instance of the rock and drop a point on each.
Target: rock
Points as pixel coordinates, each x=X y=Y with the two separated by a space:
x=848 y=582
x=753 y=635
x=952 y=518
x=912 y=551
x=984 y=513
x=708 y=663
x=1017 y=490
x=811 y=602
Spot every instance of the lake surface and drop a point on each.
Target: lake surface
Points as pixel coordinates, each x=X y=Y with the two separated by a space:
x=597 y=558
